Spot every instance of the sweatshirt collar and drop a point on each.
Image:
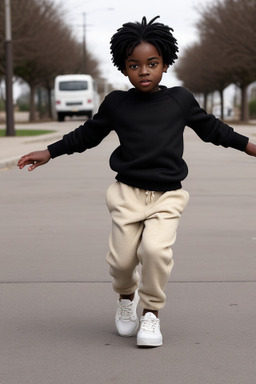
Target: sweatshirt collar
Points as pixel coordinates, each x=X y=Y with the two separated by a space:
x=149 y=96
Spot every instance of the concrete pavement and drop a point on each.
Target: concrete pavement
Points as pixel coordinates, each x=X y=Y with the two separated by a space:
x=56 y=300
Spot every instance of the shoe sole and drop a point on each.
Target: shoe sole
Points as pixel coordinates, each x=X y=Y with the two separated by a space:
x=149 y=342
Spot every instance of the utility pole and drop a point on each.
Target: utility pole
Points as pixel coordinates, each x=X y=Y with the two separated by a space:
x=10 y=129
x=84 y=43
x=84 y=25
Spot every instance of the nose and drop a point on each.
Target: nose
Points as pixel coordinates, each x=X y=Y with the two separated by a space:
x=143 y=70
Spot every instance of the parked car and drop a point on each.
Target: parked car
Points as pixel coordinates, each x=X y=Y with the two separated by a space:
x=75 y=94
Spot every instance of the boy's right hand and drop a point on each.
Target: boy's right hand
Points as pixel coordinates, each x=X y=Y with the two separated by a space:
x=35 y=159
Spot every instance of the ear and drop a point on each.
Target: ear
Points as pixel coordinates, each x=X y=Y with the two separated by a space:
x=124 y=72
x=166 y=66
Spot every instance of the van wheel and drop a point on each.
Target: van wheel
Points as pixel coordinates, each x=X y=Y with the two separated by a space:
x=61 y=116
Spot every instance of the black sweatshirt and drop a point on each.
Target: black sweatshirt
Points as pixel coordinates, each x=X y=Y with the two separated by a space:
x=150 y=130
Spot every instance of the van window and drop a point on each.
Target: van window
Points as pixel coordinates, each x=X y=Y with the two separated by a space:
x=73 y=85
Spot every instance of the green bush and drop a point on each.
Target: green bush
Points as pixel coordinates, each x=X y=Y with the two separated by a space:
x=2 y=105
x=252 y=109
x=23 y=107
x=23 y=102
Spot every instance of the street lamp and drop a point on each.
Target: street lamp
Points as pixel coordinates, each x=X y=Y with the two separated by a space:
x=10 y=130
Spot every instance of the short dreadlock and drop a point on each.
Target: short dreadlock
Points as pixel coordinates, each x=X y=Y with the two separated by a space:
x=130 y=35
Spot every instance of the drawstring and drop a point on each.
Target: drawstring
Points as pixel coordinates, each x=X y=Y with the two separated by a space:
x=150 y=195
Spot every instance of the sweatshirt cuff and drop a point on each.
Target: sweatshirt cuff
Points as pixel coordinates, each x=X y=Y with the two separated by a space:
x=57 y=149
x=239 y=141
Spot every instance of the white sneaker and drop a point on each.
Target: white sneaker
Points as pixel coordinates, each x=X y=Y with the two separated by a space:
x=127 y=322
x=149 y=334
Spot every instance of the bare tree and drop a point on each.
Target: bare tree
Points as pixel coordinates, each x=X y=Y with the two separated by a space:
x=229 y=28
x=226 y=52
x=43 y=46
x=193 y=71
x=39 y=44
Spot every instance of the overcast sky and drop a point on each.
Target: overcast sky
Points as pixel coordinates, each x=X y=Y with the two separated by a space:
x=103 y=18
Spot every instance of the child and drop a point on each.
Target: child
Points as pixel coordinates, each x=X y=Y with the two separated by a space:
x=147 y=199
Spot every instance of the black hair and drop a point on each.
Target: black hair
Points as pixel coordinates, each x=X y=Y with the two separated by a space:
x=131 y=34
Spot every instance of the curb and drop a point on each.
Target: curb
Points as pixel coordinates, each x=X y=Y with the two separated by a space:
x=11 y=162
x=8 y=163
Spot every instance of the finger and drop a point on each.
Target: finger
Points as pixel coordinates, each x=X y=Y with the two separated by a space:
x=22 y=163
x=24 y=160
x=25 y=156
x=34 y=165
x=31 y=168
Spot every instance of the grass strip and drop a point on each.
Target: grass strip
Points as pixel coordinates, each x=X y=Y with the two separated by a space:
x=27 y=132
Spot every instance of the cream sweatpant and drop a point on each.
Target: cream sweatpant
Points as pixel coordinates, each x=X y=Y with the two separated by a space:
x=144 y=225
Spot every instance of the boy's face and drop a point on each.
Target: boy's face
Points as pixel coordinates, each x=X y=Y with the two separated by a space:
x=145 y=67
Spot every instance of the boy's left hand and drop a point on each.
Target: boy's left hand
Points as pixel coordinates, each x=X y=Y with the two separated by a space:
x=250 y=149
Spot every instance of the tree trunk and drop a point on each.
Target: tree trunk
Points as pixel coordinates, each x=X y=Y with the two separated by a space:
x=49 y=97
x=244 y=103
x=221 y=104
x=205 y=100
x=32 y=107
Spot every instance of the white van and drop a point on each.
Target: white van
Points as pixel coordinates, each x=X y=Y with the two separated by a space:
x=75 y=95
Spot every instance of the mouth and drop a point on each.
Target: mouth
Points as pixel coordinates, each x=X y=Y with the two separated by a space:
x=145 y=82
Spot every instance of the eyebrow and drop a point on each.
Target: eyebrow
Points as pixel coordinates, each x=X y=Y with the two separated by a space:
x=149 y=59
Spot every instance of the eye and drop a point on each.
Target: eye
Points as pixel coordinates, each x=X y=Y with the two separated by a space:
x=133 y=66
x=153 y=64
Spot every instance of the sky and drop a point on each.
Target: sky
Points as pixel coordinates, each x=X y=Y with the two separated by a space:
x=103 y=18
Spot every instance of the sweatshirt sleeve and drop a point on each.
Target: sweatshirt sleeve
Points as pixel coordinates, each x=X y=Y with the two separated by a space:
x=86 y=136
x=211 y=129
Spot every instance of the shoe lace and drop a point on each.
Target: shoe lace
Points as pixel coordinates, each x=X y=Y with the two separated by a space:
x=148 y=325
x=125 y=312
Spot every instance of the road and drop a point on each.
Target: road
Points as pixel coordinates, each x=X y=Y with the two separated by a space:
x=57 y=303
